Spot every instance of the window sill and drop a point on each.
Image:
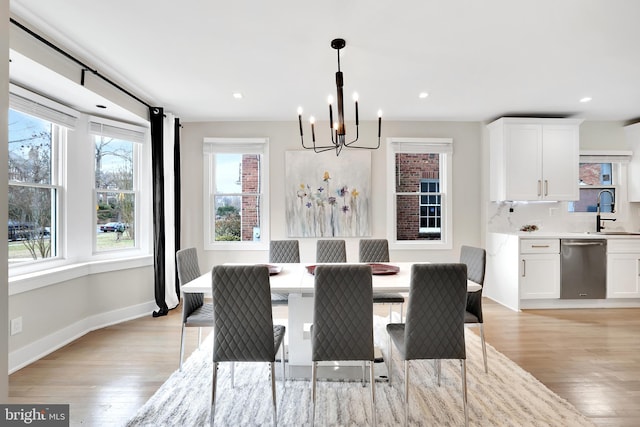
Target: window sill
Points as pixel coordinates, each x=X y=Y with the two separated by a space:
x=40 y=279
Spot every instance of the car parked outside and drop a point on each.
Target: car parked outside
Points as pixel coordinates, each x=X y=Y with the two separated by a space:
x=112 y=226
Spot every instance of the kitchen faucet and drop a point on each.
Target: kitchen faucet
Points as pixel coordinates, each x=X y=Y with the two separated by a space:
x=599 y=220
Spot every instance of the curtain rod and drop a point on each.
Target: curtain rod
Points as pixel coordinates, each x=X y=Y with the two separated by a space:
x=84 y=66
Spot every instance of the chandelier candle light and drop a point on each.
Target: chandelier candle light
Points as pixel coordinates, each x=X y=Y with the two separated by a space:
x=338 y=131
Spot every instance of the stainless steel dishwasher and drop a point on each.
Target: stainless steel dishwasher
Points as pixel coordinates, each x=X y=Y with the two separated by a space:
x=583 y=268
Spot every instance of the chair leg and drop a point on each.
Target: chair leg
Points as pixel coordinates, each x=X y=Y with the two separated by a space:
x=438 y=365
x=213 y=392
x=199 y=336
x=484 y=348
x=364 y=373
x=273 y=392
x=233 y=371
x=406 y=393
x=372 y=379
x=181 y=346
x=401 y=309
x=314 y=367
x=284 y=372
x=389 y=374
x=463 y=368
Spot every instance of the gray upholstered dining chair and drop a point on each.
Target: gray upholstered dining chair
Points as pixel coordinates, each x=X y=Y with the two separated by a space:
x=342 y=320
x=329 y=251
x=434 y=327
x=195 y=312
x=283 y=251
x=475 y=260
x=377 y=250
x=243 y=328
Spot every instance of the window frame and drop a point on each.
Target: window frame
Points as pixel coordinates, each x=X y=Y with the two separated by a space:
x=63 y=120
x=443 y=147
x=76 y=212
x=212 y=146
x=97 y=127
x=619 y=173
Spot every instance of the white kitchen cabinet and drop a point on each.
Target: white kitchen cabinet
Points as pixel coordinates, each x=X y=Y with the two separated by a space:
x=633 y=172
x=534 y=159
x=539 y=269
x=623 y=268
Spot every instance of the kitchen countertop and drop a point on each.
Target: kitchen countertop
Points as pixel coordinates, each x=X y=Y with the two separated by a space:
x=572 y=235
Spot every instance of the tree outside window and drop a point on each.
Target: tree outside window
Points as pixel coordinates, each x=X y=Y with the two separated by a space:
x=115 y=193
x=235 y=205
x=32 y=193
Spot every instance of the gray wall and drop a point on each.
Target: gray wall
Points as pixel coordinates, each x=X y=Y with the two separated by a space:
x=57 y=314
x=283 y=136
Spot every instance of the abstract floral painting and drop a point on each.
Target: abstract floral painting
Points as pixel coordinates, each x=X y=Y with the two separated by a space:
x=328 y=195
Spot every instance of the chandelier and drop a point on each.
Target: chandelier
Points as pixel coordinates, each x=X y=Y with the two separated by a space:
x=338 y=130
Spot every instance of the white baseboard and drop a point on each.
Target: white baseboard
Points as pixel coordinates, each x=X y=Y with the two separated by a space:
x=38 y=349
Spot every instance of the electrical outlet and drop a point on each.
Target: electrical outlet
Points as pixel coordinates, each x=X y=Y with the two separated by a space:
x=16 y=325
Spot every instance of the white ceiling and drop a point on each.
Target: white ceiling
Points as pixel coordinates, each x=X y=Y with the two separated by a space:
x=478 y=60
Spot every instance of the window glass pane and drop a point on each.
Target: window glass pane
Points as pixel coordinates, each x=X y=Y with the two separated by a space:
x=413 y=168
x=228 y=170
x=595 y=174
x=416 y=222
x=237 y=200
x=115 y=197
x=31 y=194
x=114 y=164
x=31 y=212
x=589 y=200
x=115 y=219
x=29 y=149
x=237 y=218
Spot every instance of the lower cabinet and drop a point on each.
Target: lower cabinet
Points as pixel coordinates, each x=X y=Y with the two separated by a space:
x=623 y=268
x=539 y=268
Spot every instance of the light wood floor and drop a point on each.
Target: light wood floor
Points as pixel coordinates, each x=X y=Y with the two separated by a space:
x=589 y=357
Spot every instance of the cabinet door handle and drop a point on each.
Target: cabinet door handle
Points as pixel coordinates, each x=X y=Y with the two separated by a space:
x=524 y=267
x=539 y=188
x=540 y=246
x=546 y=187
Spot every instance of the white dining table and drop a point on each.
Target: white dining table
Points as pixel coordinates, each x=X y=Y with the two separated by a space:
x=298 y=283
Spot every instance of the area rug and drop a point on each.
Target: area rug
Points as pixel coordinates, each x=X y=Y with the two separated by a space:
x=506 y=396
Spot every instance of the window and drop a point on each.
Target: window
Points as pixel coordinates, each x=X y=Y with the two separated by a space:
x=430 y=207
x=116 y=151
x=421 y=212
x=37 y=138
x=236 y=205
x=594 y=178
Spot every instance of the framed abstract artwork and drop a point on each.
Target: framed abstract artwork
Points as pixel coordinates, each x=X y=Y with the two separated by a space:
x=328 y=195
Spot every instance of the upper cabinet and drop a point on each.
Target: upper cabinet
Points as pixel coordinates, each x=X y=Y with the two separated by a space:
x=633 y=177
x=534 y=159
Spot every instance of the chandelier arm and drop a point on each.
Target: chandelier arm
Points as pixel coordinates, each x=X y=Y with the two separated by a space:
x=357 y=136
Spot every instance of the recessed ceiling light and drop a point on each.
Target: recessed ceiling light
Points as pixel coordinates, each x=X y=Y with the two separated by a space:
x=237 y=95
x=423 y=95
x=585 y=99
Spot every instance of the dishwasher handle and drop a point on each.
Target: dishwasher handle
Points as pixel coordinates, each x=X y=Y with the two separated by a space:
x=583 y=243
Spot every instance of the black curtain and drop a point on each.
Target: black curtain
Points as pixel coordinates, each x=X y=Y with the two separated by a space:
x=157 y=160
x=176 y=175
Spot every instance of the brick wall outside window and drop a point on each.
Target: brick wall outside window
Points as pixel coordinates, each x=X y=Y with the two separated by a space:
x=410 y=170
x=250 y=204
